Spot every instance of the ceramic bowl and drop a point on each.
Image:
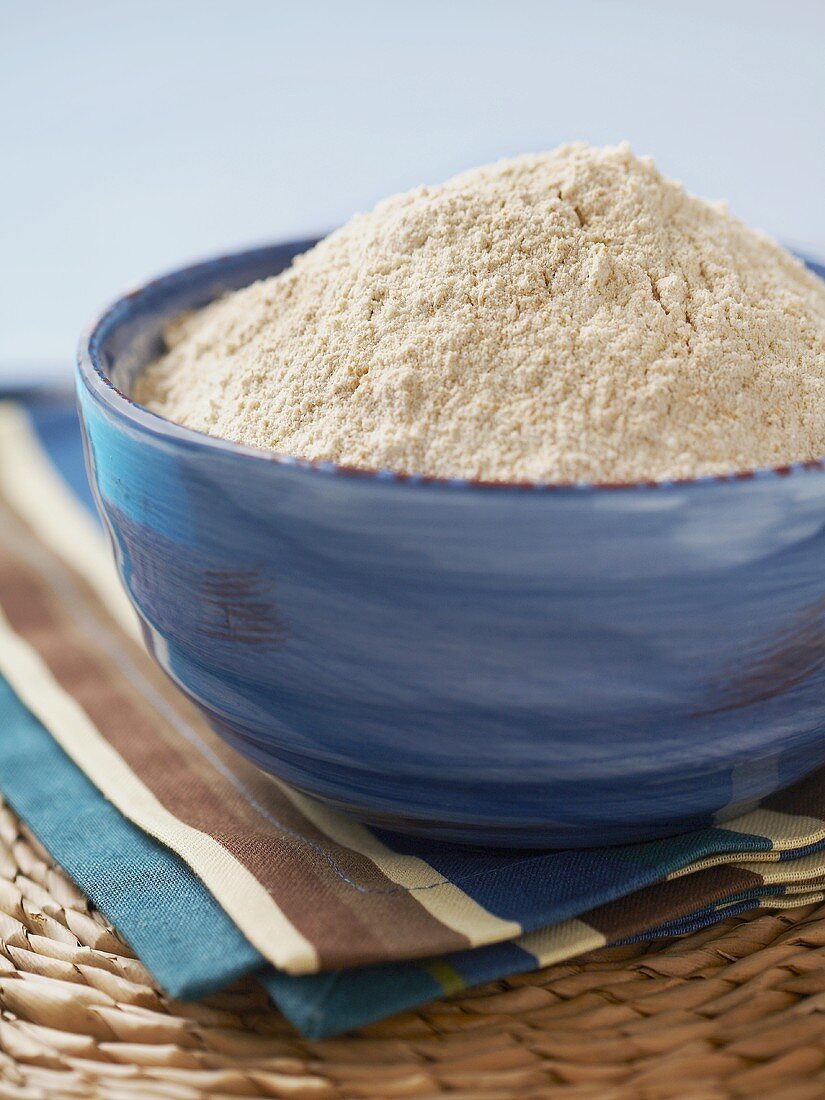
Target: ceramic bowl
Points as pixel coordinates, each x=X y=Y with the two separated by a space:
x=516 y=665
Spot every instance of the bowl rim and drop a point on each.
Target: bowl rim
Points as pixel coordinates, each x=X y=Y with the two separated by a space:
x=90 y=372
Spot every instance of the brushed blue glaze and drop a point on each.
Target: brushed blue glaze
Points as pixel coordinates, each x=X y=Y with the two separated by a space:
x=524 y=666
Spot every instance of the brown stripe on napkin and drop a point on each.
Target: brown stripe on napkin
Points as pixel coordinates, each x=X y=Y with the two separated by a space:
x=804 y=798
x=667 y=901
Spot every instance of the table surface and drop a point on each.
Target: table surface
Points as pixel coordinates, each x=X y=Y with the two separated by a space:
x=135 y=137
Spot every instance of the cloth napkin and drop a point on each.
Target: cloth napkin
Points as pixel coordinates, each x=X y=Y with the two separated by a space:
x=212 y=870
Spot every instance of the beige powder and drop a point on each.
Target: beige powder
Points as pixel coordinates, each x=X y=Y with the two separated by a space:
x=564 y=317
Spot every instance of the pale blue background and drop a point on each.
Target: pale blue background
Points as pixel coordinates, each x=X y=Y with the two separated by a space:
x=136 y=136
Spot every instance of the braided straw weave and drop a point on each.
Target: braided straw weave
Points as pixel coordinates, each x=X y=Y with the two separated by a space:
x=733 y=1011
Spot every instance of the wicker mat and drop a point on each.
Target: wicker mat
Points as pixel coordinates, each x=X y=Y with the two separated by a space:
x=733 y=1011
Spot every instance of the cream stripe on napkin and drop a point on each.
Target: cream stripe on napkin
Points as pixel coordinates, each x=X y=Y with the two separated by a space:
x=36 y=491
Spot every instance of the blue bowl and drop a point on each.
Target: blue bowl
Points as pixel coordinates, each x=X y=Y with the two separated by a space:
x=519 y=665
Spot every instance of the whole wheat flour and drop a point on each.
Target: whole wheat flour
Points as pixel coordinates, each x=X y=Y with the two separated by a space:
x=562 y=317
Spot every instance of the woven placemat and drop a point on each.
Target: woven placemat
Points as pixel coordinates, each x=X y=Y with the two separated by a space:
x=735 y=1010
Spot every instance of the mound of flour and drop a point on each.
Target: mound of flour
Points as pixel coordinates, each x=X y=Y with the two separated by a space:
x=568 y=316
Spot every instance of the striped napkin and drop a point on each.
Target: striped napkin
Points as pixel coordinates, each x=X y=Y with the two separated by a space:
x=212 y=870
